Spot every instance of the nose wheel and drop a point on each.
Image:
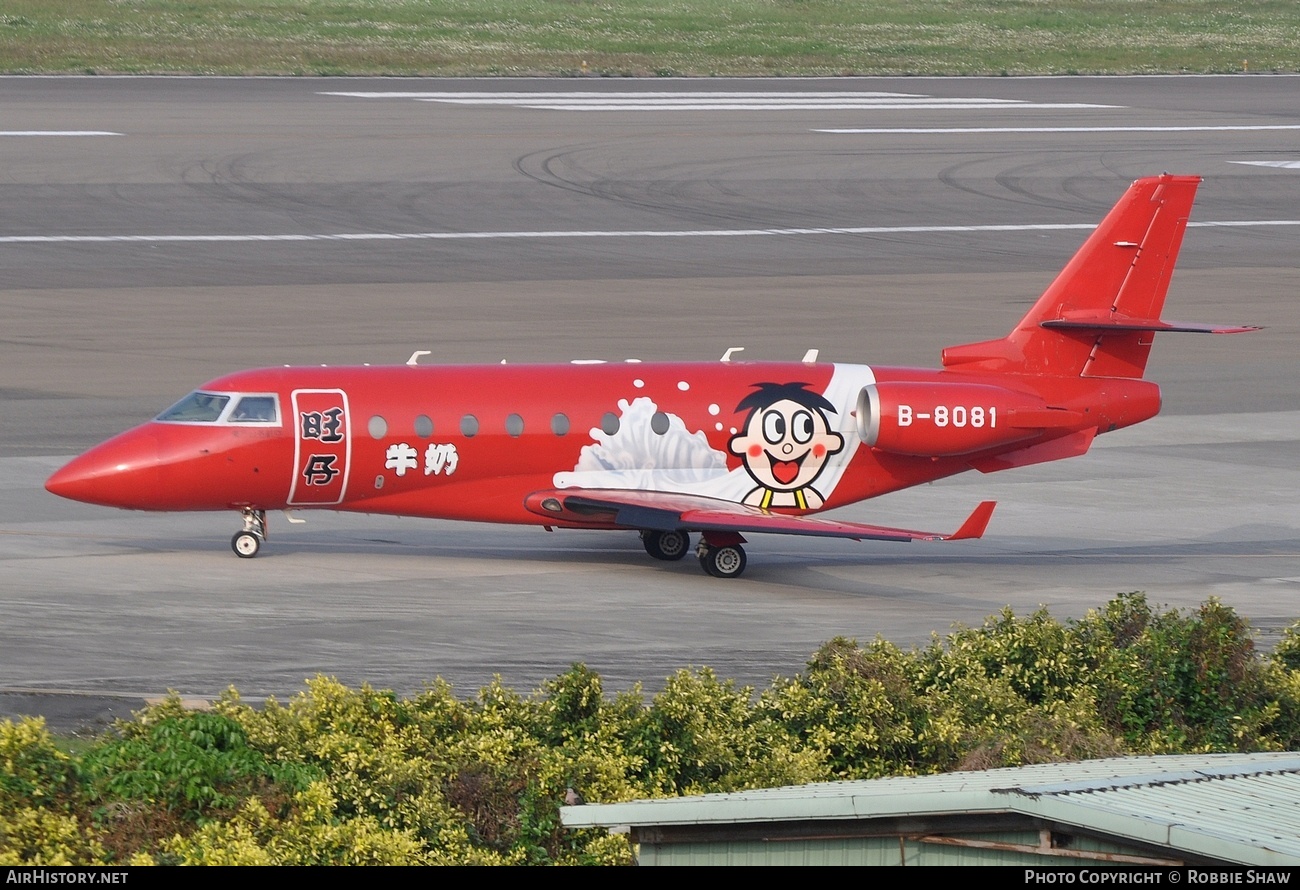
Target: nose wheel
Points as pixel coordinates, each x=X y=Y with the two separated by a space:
x=248 y=540
x=246 y=544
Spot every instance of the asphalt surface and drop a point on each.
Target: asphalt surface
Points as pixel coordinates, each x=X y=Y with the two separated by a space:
x=233 y=223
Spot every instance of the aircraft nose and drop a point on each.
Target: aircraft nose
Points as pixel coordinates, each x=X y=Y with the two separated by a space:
x=122 y=472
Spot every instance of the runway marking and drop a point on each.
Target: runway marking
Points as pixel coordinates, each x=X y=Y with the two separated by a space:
x=58 y=133
x=1282 y=165
x=711 y=101
x=1135 y=129
x=634 y=233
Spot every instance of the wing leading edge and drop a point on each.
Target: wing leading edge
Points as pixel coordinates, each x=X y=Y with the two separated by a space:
x=666 y=511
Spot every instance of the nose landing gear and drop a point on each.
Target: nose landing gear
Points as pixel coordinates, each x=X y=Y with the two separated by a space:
x=248 y=540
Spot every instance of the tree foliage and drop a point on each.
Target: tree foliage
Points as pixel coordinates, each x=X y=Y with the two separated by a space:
x=362 y=776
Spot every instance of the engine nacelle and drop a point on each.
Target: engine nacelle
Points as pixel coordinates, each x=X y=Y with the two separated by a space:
x=949 y=419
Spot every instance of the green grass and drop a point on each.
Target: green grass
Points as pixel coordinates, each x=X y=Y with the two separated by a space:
x=649 y=37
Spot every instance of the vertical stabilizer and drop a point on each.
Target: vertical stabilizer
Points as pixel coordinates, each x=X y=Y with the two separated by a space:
x=1098 y=318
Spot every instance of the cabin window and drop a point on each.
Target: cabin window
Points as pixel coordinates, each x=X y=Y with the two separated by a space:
x=560 y=424
x=609 y=423
x=378 y=427
x=469 y=426
x=659 y=422
x=515 y=425
x=424 y=426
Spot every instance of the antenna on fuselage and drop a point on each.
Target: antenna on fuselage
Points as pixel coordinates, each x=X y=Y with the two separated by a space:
x=726 y=356
x=415 y=356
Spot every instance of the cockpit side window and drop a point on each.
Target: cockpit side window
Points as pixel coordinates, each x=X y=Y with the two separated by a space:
x=254 y=409
x=197 y=407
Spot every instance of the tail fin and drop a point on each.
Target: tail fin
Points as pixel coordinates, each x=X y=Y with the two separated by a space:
x=1097 y=319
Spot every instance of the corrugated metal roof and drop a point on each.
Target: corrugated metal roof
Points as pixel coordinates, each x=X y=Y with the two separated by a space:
x=1233 y=807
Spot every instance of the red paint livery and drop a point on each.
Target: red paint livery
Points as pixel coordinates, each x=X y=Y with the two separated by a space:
x=718 y=448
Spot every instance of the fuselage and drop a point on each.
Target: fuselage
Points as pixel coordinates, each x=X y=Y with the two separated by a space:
x=474 y=442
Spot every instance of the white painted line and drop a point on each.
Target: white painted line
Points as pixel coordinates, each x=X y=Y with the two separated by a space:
x=58 y=133
x=690 y=100
x=1243 y=223
x=1282 y=165
x=591 y=94
x=579 y=100
x=946 y=105
x=636 y=233
x=923 y=130
x=493 y=78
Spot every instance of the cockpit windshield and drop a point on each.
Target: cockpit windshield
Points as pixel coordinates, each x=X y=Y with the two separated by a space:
x=197 y=407
x=224 y=407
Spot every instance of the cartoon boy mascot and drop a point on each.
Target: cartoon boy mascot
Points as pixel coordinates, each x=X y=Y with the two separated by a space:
x=785 y=443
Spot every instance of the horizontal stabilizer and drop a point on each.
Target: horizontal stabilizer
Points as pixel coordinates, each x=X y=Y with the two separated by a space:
x=1104 y=322
x=666 y=511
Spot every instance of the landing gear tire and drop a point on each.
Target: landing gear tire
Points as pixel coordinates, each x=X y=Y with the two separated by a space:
x=723 y=562
x=246 y=544
x=668 y=546
x=248 y=540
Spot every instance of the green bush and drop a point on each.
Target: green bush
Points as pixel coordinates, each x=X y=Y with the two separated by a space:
x=191 y=763
x=859 y=712
x=1170 y=683
x=35 y=771
x=1287 y=652
x=39 y=819
x=362 y=776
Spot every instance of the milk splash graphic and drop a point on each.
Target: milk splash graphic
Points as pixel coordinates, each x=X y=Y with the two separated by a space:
x=636 y=457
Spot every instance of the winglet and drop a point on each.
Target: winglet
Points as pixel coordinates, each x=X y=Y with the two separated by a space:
x=975 y=524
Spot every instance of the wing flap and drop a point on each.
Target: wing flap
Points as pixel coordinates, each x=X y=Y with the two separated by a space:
x=666 y=511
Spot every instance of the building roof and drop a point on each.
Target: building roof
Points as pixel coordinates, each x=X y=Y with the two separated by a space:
x=1242 y=808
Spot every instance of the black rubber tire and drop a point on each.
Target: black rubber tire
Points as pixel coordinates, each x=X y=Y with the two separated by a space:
x=668 y=546
x=245 y=544
x=724 y=562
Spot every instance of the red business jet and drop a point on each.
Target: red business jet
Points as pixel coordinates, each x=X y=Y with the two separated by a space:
x=718 y=449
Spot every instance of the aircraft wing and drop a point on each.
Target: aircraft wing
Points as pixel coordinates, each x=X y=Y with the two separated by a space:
x=666 y=511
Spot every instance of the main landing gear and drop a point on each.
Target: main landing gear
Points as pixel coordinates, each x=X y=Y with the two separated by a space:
x=248 y=540
x=720 y=553
x=668 y=546
x=723 y=561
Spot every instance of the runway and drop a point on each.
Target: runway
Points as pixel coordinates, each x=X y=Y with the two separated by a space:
x=158 y=232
